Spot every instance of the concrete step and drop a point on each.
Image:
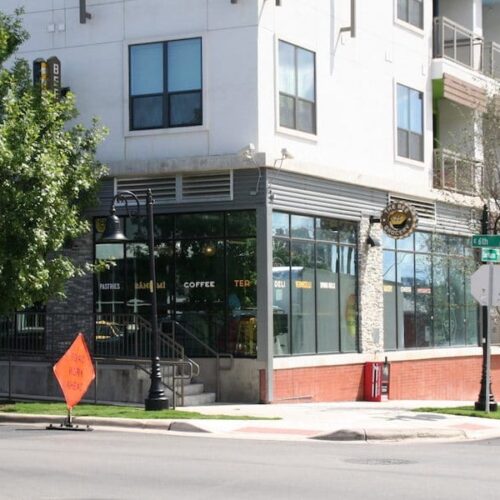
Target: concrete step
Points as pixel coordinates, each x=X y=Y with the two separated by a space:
x=199 y=399
x=193 y=389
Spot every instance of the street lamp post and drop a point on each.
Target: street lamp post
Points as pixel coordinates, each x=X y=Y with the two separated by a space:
x=156 y=399
x=485 y=392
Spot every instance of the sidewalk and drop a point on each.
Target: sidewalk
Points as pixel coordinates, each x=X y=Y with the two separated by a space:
x=346 y=421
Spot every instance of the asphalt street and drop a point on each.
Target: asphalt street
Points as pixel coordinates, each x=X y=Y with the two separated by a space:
x=110 y=464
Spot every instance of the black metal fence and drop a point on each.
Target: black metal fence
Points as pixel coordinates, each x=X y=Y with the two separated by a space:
x=47 y=336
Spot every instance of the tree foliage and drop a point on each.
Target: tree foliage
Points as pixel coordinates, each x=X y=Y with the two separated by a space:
x=48 y=176
x=490 y=138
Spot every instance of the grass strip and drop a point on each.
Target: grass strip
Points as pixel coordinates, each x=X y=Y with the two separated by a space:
x=463 y=411
x=109 y=411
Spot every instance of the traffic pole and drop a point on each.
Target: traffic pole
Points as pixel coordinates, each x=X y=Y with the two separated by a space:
x=485 y=393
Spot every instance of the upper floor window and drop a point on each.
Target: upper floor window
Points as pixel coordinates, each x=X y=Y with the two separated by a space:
x=297 y=88
x=165 y=84
x=412 y=12
x=410 y=123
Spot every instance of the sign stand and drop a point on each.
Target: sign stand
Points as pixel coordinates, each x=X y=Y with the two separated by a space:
x=74 y=372
x=67 y=425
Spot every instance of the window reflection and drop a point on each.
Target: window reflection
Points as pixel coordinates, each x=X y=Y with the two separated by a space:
x=432 y=304
x=315 y=304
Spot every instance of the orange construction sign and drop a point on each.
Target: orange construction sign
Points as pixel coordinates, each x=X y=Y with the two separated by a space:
x=75 y=371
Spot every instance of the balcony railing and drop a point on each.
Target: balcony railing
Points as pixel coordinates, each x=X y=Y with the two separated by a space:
x=492 y=59
x=456 y=173
x=452 y=41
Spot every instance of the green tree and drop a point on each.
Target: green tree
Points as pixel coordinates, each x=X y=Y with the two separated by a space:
x=48 y=177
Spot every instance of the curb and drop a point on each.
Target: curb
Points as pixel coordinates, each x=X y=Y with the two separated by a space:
x=390 y=434
x=164 y=425
x=346 y=435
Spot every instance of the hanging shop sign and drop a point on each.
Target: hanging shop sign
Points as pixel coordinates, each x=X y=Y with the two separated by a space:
x=47 y=74
x=399 y=220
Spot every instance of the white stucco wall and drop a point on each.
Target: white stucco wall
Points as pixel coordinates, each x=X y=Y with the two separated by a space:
x=355 y=79
x=94 y=58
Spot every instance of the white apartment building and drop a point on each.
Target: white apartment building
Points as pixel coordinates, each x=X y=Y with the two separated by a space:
x=273 y=134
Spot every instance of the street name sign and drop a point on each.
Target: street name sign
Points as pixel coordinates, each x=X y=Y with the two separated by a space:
x=486 y=240
x=490 y=254
x=480 y=285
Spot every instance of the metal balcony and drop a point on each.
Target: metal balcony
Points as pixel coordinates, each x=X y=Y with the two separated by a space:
x=492 y=59
x=456 y=43
x=453 y=172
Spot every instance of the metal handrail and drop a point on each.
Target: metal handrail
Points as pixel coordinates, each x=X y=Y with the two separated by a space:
x=464 y=46
x=173 y=389
x=450 y=172
x=492 y=59
x=218 y=355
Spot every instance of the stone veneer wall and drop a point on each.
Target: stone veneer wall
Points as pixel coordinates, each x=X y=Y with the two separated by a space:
x=73 y=314
x=79 y=290
x=371 y=297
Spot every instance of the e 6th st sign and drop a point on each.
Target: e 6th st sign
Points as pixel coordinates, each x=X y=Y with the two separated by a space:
x=489 y=245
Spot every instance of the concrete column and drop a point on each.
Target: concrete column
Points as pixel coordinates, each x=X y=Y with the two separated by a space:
x=265 y=295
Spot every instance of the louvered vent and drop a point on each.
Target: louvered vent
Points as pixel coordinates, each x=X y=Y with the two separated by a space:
x=207 y=186
x=163 y=188
x=425 y=210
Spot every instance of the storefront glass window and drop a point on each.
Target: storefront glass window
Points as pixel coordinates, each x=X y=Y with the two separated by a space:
x=423 y=300
x=327 y=300
x=390 y=311
x=281 y=296
x=281 y=224
x=315 y=285
x=110 y=279
x=242 y=297
x=206 y=277
x=432 y=304
x=327 y=229
x=138 y=294
x=199 y=225
x=302 y=227
x=303 y=297
x=199 y=289
x=241 y=224
x=348 y=298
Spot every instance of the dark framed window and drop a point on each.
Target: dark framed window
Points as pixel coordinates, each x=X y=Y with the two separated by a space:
x=427 y=298
x=165 y=84
x=297 y=88
x=315 y=298
x=410 y=123
x=412 y=12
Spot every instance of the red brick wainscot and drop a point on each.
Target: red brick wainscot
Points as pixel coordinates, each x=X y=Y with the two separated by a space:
x=432 y=379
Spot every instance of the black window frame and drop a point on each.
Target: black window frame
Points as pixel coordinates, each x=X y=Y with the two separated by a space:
x=165 y=94
x=295 y=97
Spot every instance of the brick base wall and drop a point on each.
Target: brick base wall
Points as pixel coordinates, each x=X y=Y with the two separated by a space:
x=440 y=378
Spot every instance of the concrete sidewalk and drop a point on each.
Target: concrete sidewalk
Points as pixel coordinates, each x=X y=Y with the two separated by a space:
x=347 y=421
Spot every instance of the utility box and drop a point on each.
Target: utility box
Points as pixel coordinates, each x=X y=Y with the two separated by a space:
x=376 y=381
